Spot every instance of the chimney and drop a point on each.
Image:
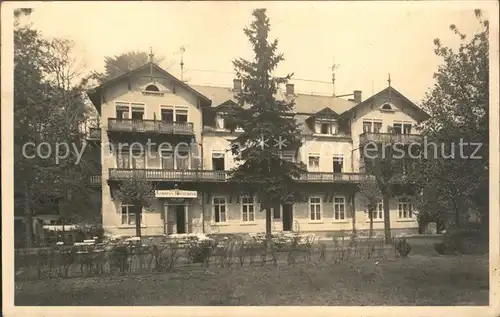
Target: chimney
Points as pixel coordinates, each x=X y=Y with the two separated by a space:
x=237 y=85
x=289 y=89
x=357 y=96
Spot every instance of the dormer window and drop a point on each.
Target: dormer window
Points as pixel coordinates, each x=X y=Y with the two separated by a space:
x=152 y=88
x=326 y=128
x=219 y=122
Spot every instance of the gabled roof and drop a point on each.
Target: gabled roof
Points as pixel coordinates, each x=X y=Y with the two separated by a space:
x=396 y=94
x=325 y=113
x=95 y=93
x=304 y=103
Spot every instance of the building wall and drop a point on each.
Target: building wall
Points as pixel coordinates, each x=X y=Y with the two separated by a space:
x=153 y=221
x=402 y=114
x=111 y=209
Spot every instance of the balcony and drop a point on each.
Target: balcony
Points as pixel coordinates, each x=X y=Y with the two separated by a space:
x=389 y=138
x=95 y=180
x=220 y=176
x=150 y=126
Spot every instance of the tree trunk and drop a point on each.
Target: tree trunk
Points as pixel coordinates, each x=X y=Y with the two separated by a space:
x=28 y=213
x=138 y=213
x=456 y=213
x=370 y=215
x=268 y=225
x=386 y=197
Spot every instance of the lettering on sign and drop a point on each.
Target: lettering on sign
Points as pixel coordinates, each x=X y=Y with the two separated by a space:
x=176 y=193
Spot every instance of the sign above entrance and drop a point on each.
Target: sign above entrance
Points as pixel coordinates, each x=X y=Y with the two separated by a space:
x=176 y=193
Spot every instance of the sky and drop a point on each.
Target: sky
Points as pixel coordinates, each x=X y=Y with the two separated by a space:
x=367 y=40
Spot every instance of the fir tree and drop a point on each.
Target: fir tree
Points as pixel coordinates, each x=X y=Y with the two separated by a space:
x=268 y=125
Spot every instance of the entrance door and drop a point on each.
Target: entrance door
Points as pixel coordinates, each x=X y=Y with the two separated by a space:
x=180 y=217
x=287 y=217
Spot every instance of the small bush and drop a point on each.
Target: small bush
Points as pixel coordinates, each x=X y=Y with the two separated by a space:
x=199 y=251
x=403 y=247
x=465 y=241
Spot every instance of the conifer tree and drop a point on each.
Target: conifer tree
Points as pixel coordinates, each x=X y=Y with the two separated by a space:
x=268 y=125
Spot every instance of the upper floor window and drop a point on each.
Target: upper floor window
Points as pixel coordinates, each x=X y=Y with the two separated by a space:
x=287 y=156
x=152 y=88
x=220 y=122
x=372 y=126
x=313 y=161
x=129 y=111
x=338 y=163
x=174 y=113
x=386 y=106
x=326 y=128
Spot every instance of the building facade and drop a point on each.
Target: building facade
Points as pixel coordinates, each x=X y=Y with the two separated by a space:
x=155 y=126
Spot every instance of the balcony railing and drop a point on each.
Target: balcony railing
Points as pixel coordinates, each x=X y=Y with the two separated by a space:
x=95 y=180
x=219 y=176
x=155 y=126
x=389 y=138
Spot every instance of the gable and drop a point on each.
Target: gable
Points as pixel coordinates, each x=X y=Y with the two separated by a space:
x=140 y=79
x=388 y=102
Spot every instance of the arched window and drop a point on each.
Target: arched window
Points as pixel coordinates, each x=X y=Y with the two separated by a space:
x=386 y=107
x=152 y=88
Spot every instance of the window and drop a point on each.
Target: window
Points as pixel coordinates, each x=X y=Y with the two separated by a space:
x=406 y=128
x=134 y=159
x=325 y=128
x=219 y=204
x=137 y=113
x=247 y=209
x=167 y=159
x=367 y=127
x=314 y=162
x=122 y=112
x=405 y=208
x=377 y=127
x=171 y=114
x=181 y=155
x=128 y=215
x=339 y=208
x=219 y=122
x=181 y=115
x=397 y=128
x=338 y=164
x=152 y=88
x=378 y=213
x=387 y=106
x=218 y=163
x=315 y=207
x=167 y=115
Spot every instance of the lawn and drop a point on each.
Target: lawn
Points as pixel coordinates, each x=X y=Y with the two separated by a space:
x=423 y=278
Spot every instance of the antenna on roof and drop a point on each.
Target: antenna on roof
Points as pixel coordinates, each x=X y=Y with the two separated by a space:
x=183 y=49
x=333 y=68
x=389 y=82
x=151 y=55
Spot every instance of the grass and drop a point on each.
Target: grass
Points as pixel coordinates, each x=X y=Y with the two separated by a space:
x=423 y=278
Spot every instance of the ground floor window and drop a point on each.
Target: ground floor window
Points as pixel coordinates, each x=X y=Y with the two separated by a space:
x=219 y=211
x=315 y=208
x=339 y=208
x=128 y=215
x=247 y=209
x=378 y=214
x=405 y=208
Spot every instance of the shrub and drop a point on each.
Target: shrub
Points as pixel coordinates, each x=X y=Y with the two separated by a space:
x=199 y=251
x=465 y=241
x=119 y=257
x=403 y=247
